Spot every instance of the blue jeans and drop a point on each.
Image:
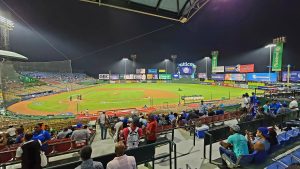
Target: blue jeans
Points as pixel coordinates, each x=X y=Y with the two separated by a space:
x=103 y=131
x=229 y=153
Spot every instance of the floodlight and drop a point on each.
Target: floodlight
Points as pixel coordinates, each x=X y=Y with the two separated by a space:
x=270 y=45
x=125 y=59
x=6 y=23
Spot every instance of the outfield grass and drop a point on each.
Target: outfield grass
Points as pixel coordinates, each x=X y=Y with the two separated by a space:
x=113 y=96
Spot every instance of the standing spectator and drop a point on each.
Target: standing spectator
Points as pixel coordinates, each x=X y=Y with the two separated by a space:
x=29 y=153
x=274 y=106
x=103 y=125
x=80 y=135
x=236 y=141
x=118 y=136
x=294 y=104
x=87 y=161
x=122 y=161
x=132 y=134
x=41 y=135
x=63 y=134
x=266 y=108
x=151 y=130
x=253 y=98
x=244 y=103
x=20 y=135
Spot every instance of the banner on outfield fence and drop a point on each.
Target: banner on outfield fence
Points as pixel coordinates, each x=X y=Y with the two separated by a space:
x=202 y=75
x=114 y=77
x=294 y=76
x=162 y=71
x=140 y=71
x=277 y=57
x=235 y=77
x=152 y=76
x=247 y=68
x=218 y=77
x=262 y=77
x=104 y=76
x=218 y=69
x=176 y=76
x=165 y=76
x=152 y=71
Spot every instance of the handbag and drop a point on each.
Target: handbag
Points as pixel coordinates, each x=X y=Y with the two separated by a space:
x=44 y=160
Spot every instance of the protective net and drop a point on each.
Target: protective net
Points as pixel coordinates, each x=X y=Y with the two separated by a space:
x=26 y=80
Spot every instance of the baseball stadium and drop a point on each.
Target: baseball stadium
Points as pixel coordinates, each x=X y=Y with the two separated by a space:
x=182 y=84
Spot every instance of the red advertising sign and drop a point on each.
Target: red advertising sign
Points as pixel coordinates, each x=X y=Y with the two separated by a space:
x=247 y=68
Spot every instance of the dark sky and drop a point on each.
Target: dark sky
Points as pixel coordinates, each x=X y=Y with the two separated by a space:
x=96 y=38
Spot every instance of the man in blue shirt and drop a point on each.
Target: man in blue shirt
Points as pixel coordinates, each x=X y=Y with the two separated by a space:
x=236 y=146
x=42 y=135
x=253 y=98
x=275 y=105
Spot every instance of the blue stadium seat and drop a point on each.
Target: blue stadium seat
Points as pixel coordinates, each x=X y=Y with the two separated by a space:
x=292 y=133
x=283 y=138
x=276 y=165
x=244 y=160
x=297 y=153
x=289 y=160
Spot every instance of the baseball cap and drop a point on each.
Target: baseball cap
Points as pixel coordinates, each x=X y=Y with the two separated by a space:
x=79 y=125
x=264 y=131
x=235 y=127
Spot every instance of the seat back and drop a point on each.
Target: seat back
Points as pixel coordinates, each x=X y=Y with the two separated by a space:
x=6 y=156
x=63 y=146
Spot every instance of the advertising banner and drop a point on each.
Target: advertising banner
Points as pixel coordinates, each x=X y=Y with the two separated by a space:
x=247 y=68
x=277 y=57
x=165 y=76
x=162 y=71
x=104 y=76
x=140 y=71
x=186 y=70
x=294 y=76
x=235 y=77
x=176 y=76
x=232 y=69
x=218 y=77
x=152 y=71
x=114 y=77
x=129 y=77
x=152 y=76
x=262 y=77
x=202 y=75
x=214 y=59
x=218 y=69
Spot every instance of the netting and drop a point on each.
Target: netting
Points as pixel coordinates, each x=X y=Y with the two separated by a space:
x=26 y=80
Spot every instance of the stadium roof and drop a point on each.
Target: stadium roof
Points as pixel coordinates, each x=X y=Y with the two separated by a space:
x=177 y=10
x=11 y=55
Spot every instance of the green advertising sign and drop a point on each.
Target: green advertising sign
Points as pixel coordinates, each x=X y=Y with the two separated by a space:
x=214 y=60
x=165 y=76
x=277 y=57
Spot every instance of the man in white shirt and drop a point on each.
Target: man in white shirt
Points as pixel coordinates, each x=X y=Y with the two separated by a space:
x=294 y=105
x=122 y=161
x=11 y=131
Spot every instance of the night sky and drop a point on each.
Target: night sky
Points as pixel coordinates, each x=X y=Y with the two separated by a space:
x=97 y=38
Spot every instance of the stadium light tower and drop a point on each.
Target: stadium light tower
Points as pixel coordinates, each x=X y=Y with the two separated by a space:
x=133 y=57
x=174 y=57
x=270 y=46
x=6 y=25
x=125 y=62
x=166 y=64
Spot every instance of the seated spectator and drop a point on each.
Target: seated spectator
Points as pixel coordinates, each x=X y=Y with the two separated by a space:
x=3 y=140
x=219 y=110
x=260 y=114
x=275 y=105
x=162 y=120
x=71 y=129
x=203 y=109
x=87 y=129
x=237 y=142
x=20 y=135
x=132 y=134
x=261 y=136
x=172 y=117
x=29 y=153
x=64 y=133
x=211 y=112
x=266 y=108
x=284 y=109
x=272 y=137
x=246 y=117
x=87 y=161
x=41 y=135
x=80 y=135
x=11 y=131
x=122 y=161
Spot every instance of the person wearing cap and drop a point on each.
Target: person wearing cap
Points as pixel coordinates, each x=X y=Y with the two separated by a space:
x=132 y=134
x=261 y=137
x=80 y=135
x=293 y=104
x=235 y=147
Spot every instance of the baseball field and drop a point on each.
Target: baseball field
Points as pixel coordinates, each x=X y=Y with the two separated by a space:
x=116 y=96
